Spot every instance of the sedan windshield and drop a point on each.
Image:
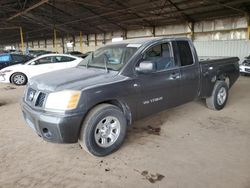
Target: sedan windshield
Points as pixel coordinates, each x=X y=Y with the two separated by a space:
x=112 y=57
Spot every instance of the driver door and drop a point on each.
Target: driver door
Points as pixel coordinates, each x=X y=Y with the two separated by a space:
x=160 y=89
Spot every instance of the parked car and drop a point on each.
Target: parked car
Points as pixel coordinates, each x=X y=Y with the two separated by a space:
x=95 y=102
x=8 y=59
x=11 y=51
x=245 y=66
x=20 y=74
x=36 y=53
x=74 y=53
x=78 y=54
x=87 y=53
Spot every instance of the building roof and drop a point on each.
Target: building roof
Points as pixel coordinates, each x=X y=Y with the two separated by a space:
x=38 y=18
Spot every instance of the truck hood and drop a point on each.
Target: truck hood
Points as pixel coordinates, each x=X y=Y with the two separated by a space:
x=77 y=78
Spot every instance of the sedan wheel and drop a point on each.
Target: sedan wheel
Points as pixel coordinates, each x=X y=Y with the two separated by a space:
x=19 y=79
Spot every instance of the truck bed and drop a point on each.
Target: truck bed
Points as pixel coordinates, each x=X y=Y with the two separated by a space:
x=216 y=59
x=213 y=66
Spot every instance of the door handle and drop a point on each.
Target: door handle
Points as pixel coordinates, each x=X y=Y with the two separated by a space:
x=174 y=76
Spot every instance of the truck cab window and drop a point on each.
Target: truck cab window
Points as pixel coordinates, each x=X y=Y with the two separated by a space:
x=185 y=53
x=161 y=55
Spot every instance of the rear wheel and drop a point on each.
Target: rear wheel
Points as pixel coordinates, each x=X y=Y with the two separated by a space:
x=19 y=79
x=103 y=130
x=219 y=97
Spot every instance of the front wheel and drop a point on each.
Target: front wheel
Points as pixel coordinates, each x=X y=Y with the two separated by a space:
x=219 y=97
x=103 y=130
x=19 y=79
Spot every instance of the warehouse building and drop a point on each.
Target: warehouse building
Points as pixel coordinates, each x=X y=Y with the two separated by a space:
x=217 y=28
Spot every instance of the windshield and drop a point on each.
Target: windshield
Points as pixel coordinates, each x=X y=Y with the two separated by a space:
x=111 y=57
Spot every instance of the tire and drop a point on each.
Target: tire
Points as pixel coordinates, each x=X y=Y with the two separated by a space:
x=101 y=122
x=19 y=79
x=219 y=96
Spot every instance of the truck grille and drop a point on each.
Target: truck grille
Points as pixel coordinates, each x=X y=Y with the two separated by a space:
x=40 y=99
x=35 y=97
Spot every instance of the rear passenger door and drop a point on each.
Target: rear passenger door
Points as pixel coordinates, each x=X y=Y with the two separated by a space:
x=190 y=71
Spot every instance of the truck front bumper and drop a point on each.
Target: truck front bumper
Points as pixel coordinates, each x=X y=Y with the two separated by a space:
x=53 y=128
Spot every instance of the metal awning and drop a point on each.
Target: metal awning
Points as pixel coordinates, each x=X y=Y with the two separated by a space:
x=38 y=18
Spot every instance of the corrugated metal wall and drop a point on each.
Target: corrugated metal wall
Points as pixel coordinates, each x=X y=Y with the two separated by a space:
x=240 y=48
x=219 y=37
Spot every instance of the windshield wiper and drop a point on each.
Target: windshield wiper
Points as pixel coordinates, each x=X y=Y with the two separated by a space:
x=106 y=58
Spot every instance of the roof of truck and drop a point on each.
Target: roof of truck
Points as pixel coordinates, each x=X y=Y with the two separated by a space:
x=144 y=40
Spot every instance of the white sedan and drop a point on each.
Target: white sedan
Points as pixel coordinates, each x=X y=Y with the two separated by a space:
x=20 y=74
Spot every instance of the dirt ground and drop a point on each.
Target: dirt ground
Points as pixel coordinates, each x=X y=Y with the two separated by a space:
x=186 y=147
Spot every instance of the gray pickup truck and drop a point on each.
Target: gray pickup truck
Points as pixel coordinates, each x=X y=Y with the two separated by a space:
x=95 y=102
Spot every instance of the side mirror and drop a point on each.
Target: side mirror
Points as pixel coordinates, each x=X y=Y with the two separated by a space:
x=146 y=67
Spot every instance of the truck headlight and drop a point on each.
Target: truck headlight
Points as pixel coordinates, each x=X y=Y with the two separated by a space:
x=63 y=100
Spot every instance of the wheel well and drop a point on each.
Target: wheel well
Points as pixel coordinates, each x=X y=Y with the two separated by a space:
x=122 y=106
x=224 y=77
